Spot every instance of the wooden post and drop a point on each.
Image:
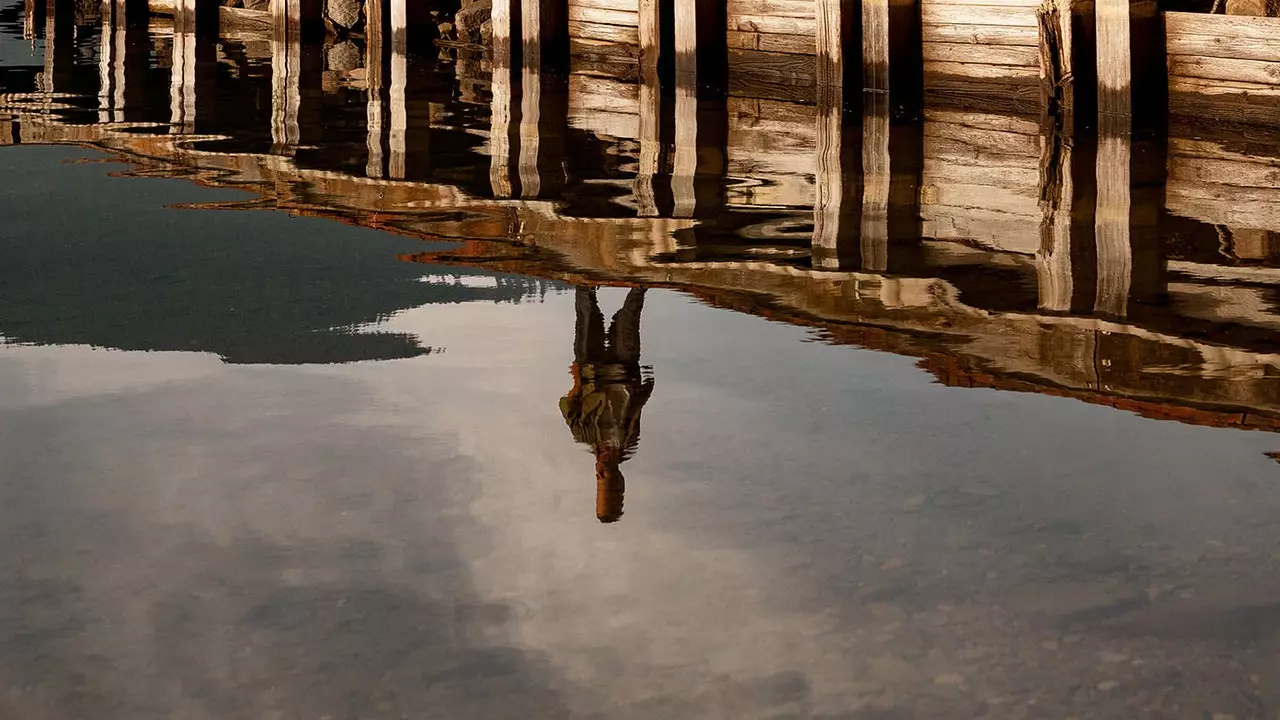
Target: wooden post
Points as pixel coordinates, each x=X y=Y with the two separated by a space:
x=650 y=33
x=396 y=95
x=286 y=71
x=375 y=61
x=1115 y=258
x=837 y=188
x=295 y=72
x=32 y=18
x=701 y=52
x=501 y=20
x=650 y=155
x=891 y=50
x=1131 y=75
x=543 y=121
x=193 y=67
x=544 y=28
x=59 y=45
x=875 y=178
x=698 y=161
x=684 y=156
x=500 y=131
x=110 y=55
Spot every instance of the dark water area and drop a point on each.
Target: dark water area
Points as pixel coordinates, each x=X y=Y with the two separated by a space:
x=346 y=384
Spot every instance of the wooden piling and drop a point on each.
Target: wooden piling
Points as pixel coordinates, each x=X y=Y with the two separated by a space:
x=544 y=27
x=1131 y=76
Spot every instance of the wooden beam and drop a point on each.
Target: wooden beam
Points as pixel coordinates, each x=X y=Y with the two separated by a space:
x=701 y=50
x=648 y=160
x=1131 y=76
x=544 y=28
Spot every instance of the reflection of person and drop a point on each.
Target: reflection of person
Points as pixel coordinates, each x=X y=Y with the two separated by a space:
x=609 y=390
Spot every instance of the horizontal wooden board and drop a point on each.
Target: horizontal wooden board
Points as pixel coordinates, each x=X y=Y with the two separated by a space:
x=1254 y=71
x=770 y=24
x=774 y=67
x=982 y=34
x=605 y=17
x=612 y=54
x=937 y=14
x=760 y=113
x=623 y=5
x=1001 y=122
x=1234 y=26
x=771 y=42
x=603 y=122
x=1225 y=172
x=776 y=8
x=1012 y=55
x=1218 y=46
x=1004 y=73
x=609 y=33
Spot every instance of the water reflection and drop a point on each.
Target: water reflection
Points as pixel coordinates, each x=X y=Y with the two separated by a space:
x=812 y=530
x=609 y=391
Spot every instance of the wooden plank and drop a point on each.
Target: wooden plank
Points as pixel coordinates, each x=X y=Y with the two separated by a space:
x=619 y=92
x=1247 y=91
x=1232 y=26
x=600 y=31
x=983 y=121
x=987 y=3
x=1006 y=73
x=932 y=14
x=1019 y=56
x=1220 y=46
x=604 y=123
x=770 y=42
x=604 y=17
x=623 y=5
x=775 y=67
x=1224 y=172
x=775 y=8
x=1215 y=68
x=606 y=51
x=769 y=24
x=982 y=34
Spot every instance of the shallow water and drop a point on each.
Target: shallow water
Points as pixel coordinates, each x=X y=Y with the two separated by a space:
x=276 y=444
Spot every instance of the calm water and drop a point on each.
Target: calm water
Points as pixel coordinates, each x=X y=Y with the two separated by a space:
x=305 y=419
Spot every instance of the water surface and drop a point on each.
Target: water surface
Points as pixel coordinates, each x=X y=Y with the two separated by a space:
x=285 y=436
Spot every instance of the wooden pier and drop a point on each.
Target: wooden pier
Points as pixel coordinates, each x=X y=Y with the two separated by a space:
x=1011 y=234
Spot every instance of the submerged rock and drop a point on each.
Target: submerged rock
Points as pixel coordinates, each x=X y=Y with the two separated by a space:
x=471 y=18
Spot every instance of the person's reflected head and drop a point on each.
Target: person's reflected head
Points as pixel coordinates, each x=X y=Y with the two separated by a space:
x=610 y=485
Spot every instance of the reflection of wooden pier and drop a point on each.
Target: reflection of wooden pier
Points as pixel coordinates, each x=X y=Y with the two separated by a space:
x=1002 y=248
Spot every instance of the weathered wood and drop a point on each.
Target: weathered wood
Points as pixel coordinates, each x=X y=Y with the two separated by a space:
x=499 y=131
x=875 y=45
x=544 y=29
x=774 y=67
x=1007 y=73
x=649 y=32
x=770 y=42
x=1020 y=56
x=1000 y=15
x=985 y=35
x=1115 y=257
x=649 y=133
x=1217 y=68
x=618 y=34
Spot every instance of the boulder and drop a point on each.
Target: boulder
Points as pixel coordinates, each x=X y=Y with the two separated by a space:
x=470 y=18
x=343 y=13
